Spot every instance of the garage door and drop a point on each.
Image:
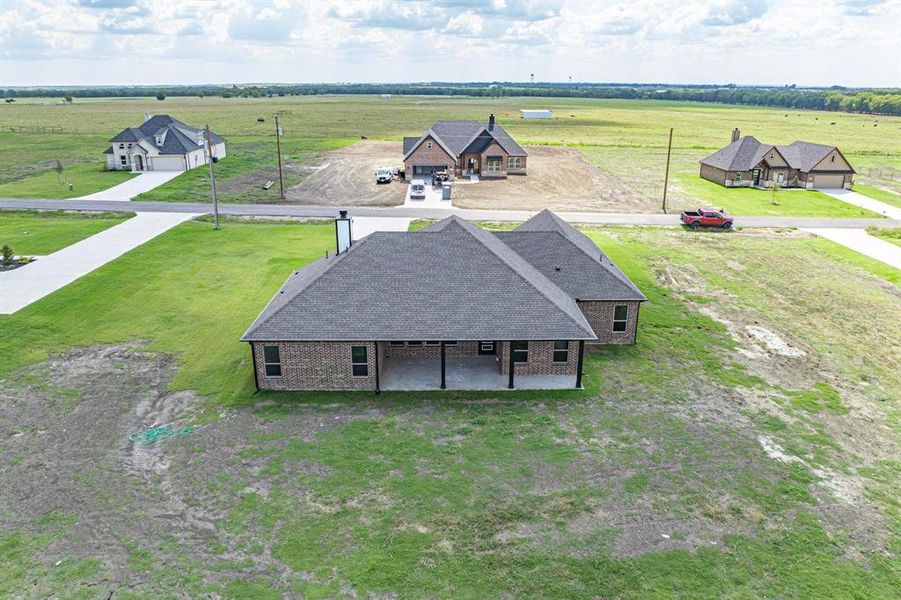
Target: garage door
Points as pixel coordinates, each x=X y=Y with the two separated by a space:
x=427 y=169
x=828 y=181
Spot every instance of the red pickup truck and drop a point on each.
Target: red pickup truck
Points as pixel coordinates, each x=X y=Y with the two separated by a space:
x=706 y=217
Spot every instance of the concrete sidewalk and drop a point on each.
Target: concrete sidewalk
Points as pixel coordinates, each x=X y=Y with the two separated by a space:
x=22 y=286
x=363 y=226
x=134 y=186
x=886 y=210
x=860 y=241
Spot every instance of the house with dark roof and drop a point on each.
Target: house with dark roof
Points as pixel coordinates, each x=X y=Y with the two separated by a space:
x=161 y=143
x=464 y=148
x=748 y=162
x=451 y=306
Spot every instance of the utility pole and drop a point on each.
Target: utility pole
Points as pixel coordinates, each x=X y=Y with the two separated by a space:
x=209 y=152
x=669 y=150
x=278 y=147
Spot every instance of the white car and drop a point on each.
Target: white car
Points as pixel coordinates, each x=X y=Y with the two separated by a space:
x=384 y=175
x=417 y=190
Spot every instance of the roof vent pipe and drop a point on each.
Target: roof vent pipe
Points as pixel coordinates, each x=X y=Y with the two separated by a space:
x=491 y=122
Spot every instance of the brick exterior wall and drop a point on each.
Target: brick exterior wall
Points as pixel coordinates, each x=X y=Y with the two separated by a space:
x=600 y=316
x=461 y=349
x=424 y=156
x=314 y=366
x=541 y=360
x=494 y=149
x=713 y=174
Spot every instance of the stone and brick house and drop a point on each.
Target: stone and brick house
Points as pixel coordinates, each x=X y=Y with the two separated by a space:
x=161 y=143
x=747 y=162
x=464 y=148
x=451 y=306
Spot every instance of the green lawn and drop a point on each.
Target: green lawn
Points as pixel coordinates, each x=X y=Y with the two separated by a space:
x=526 y=494
x=889 y=234
x=42 y=232
x=625 y=138
x=878 y=193
x=84 y=178
x=747 y=201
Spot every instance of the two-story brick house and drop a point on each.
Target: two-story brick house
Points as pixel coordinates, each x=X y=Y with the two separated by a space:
x=450 y=306
x=464 y=148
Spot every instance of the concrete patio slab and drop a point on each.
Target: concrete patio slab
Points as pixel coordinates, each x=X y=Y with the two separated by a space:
x=860 y=241
x=134 y=186
x=469 y=373
x=22 y=286
x=850 y=197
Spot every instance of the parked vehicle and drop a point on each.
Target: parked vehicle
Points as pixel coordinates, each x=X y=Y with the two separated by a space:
x=417 y=190
x=384 y=175
x=707 y=217
x=439 y=177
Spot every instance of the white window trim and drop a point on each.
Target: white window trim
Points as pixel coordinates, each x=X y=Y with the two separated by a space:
x=624 y=321
x=267 y=363
x=353 y=364
x=554 y=351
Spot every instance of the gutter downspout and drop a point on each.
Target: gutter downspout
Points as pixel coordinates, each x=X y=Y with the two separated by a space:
x=256 y=376
x=378 y=390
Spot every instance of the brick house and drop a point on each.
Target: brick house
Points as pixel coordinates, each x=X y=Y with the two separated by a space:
x=449 y=306
x=161 y=143
x=464 y=148
x=746 y=162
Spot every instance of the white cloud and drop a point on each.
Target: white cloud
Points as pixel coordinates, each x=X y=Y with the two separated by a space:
x=847 y=42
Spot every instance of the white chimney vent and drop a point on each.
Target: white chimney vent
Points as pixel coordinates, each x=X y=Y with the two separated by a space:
x=343 y=234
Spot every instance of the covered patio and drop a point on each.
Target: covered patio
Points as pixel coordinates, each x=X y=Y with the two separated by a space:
x=463 y=373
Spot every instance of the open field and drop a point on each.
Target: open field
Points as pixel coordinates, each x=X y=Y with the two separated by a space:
x=559 y=178
x=746 y=446
x=31 y=233
x=346 y=177
x=85 y=178
x=626 y=139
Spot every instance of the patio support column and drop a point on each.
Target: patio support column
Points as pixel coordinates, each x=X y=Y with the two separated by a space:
x=512 y=364
x=443 y=369
x=377 y=388
x=579 y=366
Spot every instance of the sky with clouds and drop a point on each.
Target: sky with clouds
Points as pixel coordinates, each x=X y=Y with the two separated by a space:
x=112 y=42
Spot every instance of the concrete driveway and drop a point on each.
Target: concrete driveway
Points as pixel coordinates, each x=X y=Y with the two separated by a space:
x=886 y=210
x=860 y=241
x=134 y=186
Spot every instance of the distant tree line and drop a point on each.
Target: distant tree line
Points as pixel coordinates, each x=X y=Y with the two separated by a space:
x=885 y=101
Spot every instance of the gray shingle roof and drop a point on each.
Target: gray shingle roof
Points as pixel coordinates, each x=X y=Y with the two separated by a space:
x=570 y=259
x=747 y=152
x=741 y=155
x=179 y=138
x=804 y=156
x=450 y=281
x=460 y=136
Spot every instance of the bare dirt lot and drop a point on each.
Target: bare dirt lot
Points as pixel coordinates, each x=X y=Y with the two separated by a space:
x=346 y=177
x=558 y=178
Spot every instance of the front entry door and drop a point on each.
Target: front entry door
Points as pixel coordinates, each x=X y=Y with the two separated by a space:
x=487 y=348
x=756 y=176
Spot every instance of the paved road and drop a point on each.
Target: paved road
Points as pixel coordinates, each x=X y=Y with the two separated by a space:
x=134 y=186
x=860 y=241
x=20 y=287
x=293 y=210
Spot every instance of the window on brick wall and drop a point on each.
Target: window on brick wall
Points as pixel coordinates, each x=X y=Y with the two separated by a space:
x=738 y=176
x=520 y=351
x=273 y=361
x=432 y=343
x=123 y=160
x=359 y=358
x=495 y=164
x=620 y=317
x=395 y=343
x=419 y=343
x=514 y=162
x=561 y=351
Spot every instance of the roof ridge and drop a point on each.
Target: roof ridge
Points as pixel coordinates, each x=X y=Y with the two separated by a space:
x=521 y=268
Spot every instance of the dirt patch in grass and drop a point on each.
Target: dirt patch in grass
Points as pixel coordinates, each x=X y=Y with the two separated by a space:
x=558 y=178
x=346 y=177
